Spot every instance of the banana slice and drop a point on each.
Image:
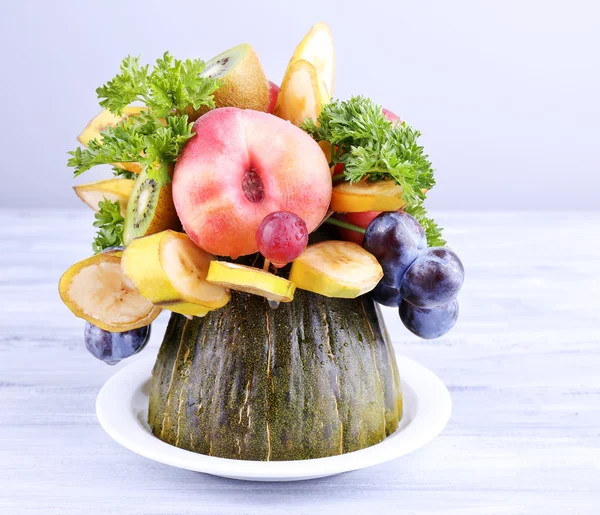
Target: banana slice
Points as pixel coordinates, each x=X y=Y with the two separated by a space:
x=251 y=280
x=96 y=290
x=317 y=48
x=111 y=189
x=302 y=93
x=336 y=269
x=366 y=196
x=170 y=270
x=107 y=119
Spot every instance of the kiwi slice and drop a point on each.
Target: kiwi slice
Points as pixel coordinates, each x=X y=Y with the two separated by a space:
x=245 y=84
x=150 y=209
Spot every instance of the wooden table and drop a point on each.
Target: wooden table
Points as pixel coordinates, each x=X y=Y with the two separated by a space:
x=522 y=365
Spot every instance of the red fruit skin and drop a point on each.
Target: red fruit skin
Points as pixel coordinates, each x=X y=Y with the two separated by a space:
x=338 y=168
x=273 y=94
x=391 y=116
x=281 y=237
x=360 y=219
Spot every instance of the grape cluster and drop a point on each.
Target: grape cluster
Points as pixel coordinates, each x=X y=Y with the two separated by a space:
x=421 y=282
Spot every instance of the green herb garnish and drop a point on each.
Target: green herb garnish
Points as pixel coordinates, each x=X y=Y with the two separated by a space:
x=172 y=85
x=433 y=231
x=110 y=226
x=156 y=136
x=372 y=148
x=142 y=138
x=124 y=174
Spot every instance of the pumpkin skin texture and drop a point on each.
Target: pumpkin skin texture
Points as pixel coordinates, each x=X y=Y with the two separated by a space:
x=313 y=378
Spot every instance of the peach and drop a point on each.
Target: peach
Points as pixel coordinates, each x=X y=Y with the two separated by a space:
x=240 y=166
x=273 y=94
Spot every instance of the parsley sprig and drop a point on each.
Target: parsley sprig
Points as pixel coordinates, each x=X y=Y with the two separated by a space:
x=172 y=85
x=153 y=142
x=156 y=136
x=372 y=148
x=124 y=174
x=109 y=222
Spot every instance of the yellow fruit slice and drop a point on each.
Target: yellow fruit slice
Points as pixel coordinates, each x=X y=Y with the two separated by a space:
x=317 y=49
x=96 y=290
x=251 y=280
x=107 y=119
x=111 y=189
x=367 y=196
x=302 y=94
x=170 y=271
x=336 y=269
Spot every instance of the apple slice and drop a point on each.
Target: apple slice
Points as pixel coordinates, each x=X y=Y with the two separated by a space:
x=96 y=290
x=170 y=270
x=317 y=48
x=302 y=94
x=111 y=189
x=336 y=269
x=251 y=280
x=367 y=196
x=106 y=119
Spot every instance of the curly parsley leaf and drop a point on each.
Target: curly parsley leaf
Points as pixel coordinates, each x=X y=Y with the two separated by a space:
x=433 y=231
x=153 y=142
x=372 y=148
x=124 y=174
x=171 y=87
x=109 y=222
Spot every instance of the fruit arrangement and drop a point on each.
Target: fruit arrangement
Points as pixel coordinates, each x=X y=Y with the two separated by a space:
x=226 y=184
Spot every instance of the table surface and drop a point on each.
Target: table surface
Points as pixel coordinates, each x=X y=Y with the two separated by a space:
x=522 y=366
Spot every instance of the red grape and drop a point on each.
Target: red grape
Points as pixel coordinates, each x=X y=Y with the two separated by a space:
x=281 y=237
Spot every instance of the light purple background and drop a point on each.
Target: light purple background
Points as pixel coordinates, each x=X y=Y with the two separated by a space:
x=506 y=93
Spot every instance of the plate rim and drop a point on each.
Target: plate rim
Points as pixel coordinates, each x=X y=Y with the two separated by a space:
x=117 y=418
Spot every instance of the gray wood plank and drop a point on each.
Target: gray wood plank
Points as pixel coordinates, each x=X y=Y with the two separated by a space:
x=522 y=366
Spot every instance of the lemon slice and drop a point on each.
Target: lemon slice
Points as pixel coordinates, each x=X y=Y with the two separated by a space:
x=317 y=48
x=168 y=269
x=251 y=280
x=111 y=189
x=336 y=269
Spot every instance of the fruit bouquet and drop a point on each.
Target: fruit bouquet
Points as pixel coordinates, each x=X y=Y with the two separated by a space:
x=270 y=222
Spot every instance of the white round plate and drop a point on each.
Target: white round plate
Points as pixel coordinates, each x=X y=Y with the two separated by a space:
x=122 y=409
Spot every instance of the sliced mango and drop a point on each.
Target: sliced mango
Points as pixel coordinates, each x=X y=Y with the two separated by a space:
x=317 y=48
x=367 y=196
x=96 y=290
x=169 y=270
x=336 y=269
x=302 y=93
x=111 y=189
x=251 y=280
x=107 y=119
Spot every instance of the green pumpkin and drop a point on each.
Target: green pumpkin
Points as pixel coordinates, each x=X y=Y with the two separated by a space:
x=313 y=378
